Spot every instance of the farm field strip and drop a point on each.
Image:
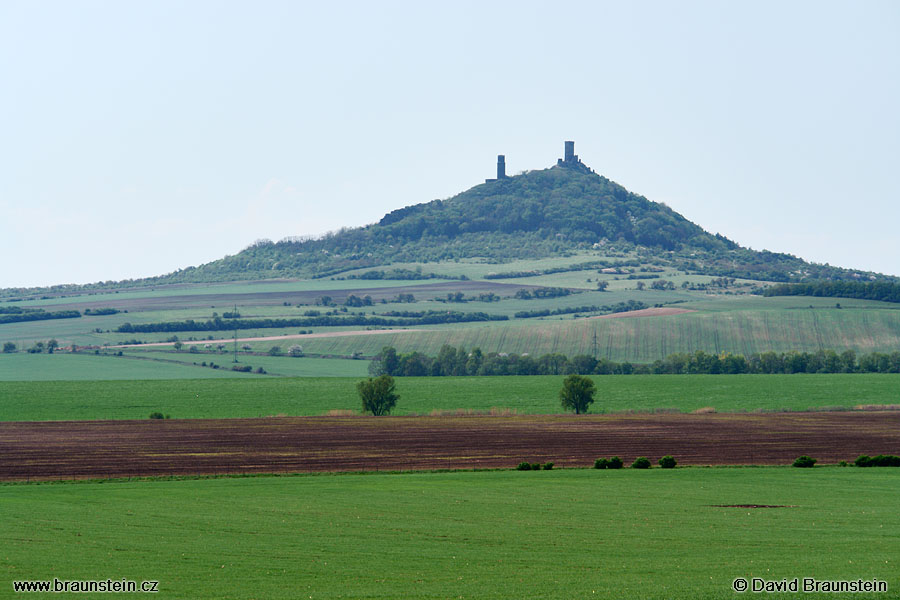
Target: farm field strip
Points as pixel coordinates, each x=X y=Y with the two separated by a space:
x=576 y=533
x=66 y=450
x=246 y=395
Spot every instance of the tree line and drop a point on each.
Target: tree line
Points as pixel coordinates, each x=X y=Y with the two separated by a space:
x=452 y=361
x=218 y=324
x=38 y=315
x=884 y=291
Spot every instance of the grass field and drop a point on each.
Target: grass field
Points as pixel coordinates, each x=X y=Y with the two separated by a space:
x=499 y=534
x=262 y=396
x=724 y=321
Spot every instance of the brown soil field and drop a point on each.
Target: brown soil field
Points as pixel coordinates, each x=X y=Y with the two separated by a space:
x=662 y=311
x=98 y=449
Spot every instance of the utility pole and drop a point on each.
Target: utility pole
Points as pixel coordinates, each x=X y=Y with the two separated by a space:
x=594 y=345
x=234 y=315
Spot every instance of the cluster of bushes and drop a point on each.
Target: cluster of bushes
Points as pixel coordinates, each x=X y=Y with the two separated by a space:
x=545 y=292
x=882 y=460
x=606 y=308
x=402 y=274
x=641 y=462
x=159 y=415
x=527 y=466
x=96 y=312
x=863 y=460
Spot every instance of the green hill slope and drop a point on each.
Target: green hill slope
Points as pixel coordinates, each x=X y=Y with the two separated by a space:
x=538 y=214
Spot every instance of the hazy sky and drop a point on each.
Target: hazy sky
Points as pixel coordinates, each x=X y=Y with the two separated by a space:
x=140 y=137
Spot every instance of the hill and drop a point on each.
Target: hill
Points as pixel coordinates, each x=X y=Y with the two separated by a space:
x=557 y=211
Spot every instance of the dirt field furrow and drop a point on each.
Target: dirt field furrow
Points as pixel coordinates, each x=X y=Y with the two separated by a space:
x=83 y=449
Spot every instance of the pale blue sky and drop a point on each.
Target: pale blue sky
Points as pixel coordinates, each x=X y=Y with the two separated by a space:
x=140 y=137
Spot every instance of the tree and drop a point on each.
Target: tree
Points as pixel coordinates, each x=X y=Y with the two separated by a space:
x=52 y=345
x=377 y=395
x=275 y=351
x=178 y=346
x=602 y=285
x=577 y=393
x=296 y=350
x=9 y=347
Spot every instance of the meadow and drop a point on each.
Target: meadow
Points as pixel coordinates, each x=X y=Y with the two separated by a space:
x=257 y=396
x=725 y=320
x=573 y=533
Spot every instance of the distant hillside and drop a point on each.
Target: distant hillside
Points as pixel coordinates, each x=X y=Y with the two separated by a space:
x=550 y=212
x=537 y=214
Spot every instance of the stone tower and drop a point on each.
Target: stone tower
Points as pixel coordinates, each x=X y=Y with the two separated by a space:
x=570 y=153
x=501 y=166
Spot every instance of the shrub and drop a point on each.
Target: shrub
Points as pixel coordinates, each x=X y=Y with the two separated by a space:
x=524 y=466
x=535 y=466
x=275 y=351
x=615 y=463
x=548 y=466
x=882 y=460
x=667 y=462
x=601 y=463
x=641 y=462
x=804 y=462
x=843 y=463
x=260 y=370
x=159 y=415
x=242 y=368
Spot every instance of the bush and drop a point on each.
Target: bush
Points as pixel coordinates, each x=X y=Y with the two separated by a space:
x=804 y=462
x=260 y=370
x=601 y=463
x=242 y=368
x=882 y=460
x=548 y=466
x=159 y=415
x=615 y=463
x=275 y=351
x=535 y=466
x=667 y=462
x=524 y=466
x=843 y=463
x=641 y=462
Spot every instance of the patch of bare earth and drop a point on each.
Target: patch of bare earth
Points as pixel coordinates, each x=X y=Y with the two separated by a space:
x=90 y=449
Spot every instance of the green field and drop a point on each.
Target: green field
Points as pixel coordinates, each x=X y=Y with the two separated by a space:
x=499 y=534
x=263 y=396
x=725 y=320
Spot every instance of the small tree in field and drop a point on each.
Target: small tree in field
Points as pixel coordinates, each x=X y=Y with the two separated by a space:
x=296 y=350
x=577 y=393
x=9 y=347
x=377 y=395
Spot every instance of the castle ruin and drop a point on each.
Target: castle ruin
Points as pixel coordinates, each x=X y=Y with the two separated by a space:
x=570 y=160
x=501 y=168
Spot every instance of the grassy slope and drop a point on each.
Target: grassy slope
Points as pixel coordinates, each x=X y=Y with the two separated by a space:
x=558 y=534
x=261 y=396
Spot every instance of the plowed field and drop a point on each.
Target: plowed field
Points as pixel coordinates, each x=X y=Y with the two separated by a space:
x=82 y=449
